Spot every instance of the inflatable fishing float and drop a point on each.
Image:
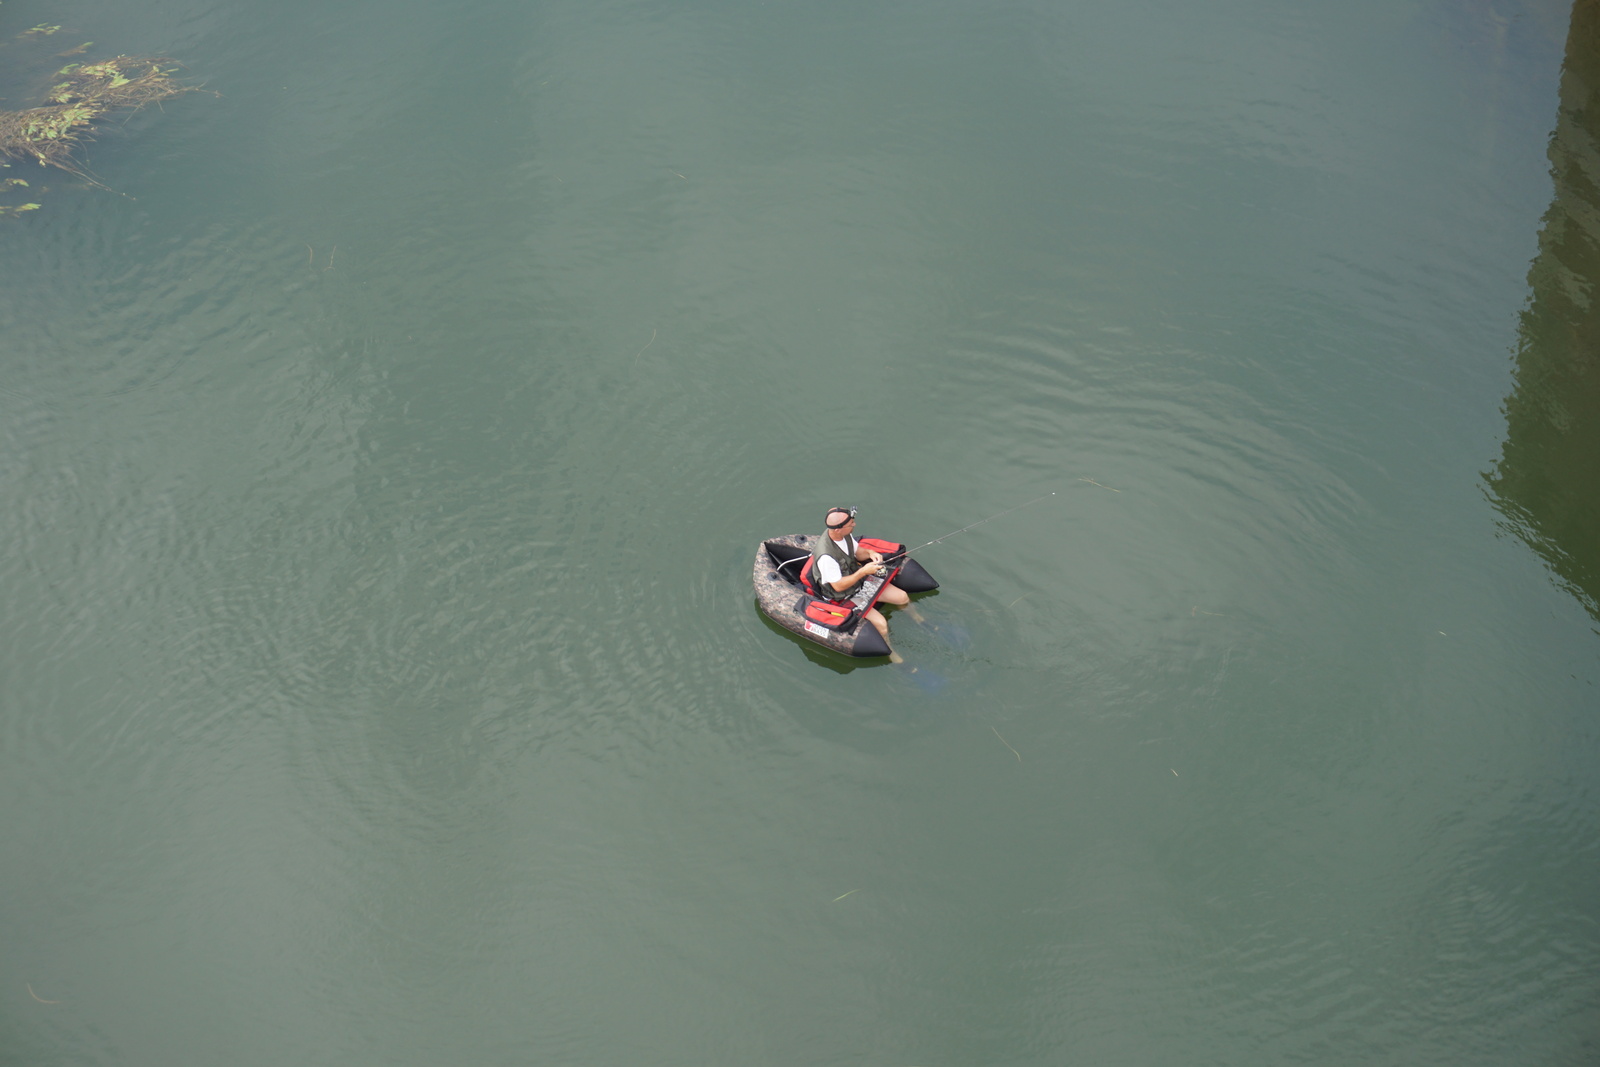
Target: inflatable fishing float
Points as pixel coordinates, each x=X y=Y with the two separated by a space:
x=788 y=597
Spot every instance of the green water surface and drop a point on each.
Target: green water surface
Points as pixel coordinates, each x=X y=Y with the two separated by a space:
x=381 y=462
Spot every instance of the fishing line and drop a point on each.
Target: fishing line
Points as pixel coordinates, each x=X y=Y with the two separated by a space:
x=936 y=540
x=980 y=522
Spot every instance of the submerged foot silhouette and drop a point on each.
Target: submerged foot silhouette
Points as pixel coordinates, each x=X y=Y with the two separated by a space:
x=929 y=681
x=949 y=633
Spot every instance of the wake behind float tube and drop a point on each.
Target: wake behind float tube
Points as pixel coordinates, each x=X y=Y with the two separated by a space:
x=788 y=598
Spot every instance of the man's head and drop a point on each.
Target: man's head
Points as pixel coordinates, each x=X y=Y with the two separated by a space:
x=841 y=520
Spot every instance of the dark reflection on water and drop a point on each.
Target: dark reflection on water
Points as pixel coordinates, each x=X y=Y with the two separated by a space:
x=1549 y=471
x=822 y=657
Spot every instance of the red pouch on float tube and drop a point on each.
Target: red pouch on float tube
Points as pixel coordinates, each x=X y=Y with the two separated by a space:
x=832 y=615
x=887 y=548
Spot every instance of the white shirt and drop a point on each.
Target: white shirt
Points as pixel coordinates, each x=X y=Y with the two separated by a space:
x=828 y=568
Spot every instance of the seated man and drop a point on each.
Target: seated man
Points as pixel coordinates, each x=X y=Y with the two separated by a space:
x=835 y=571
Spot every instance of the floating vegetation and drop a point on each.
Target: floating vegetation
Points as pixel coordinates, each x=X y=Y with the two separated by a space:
x=16 y=209
x=81 y=94
x=85 y=92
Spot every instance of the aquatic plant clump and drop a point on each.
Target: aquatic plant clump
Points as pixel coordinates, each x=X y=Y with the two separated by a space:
x=83 y=93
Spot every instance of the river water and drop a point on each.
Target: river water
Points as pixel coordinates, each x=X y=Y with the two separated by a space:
x=381 y=463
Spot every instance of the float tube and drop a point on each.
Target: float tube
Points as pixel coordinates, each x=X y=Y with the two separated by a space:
x=785 y=595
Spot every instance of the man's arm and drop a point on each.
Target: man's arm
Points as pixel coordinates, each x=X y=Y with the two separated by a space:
x=847 y=582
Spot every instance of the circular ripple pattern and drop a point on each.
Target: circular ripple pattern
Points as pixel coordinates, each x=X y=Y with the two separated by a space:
x=380 y=680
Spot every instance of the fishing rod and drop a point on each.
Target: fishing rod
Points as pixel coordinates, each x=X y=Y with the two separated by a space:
x=964 y=529
x=936 y=540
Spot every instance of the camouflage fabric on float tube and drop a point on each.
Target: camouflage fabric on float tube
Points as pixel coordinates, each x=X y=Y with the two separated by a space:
x=833 y=624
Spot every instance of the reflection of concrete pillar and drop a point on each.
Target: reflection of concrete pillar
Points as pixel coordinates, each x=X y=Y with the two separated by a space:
x=1547 y=482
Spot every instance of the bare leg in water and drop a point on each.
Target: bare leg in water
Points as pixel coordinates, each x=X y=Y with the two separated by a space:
x=896 y=597
x=881 y=624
